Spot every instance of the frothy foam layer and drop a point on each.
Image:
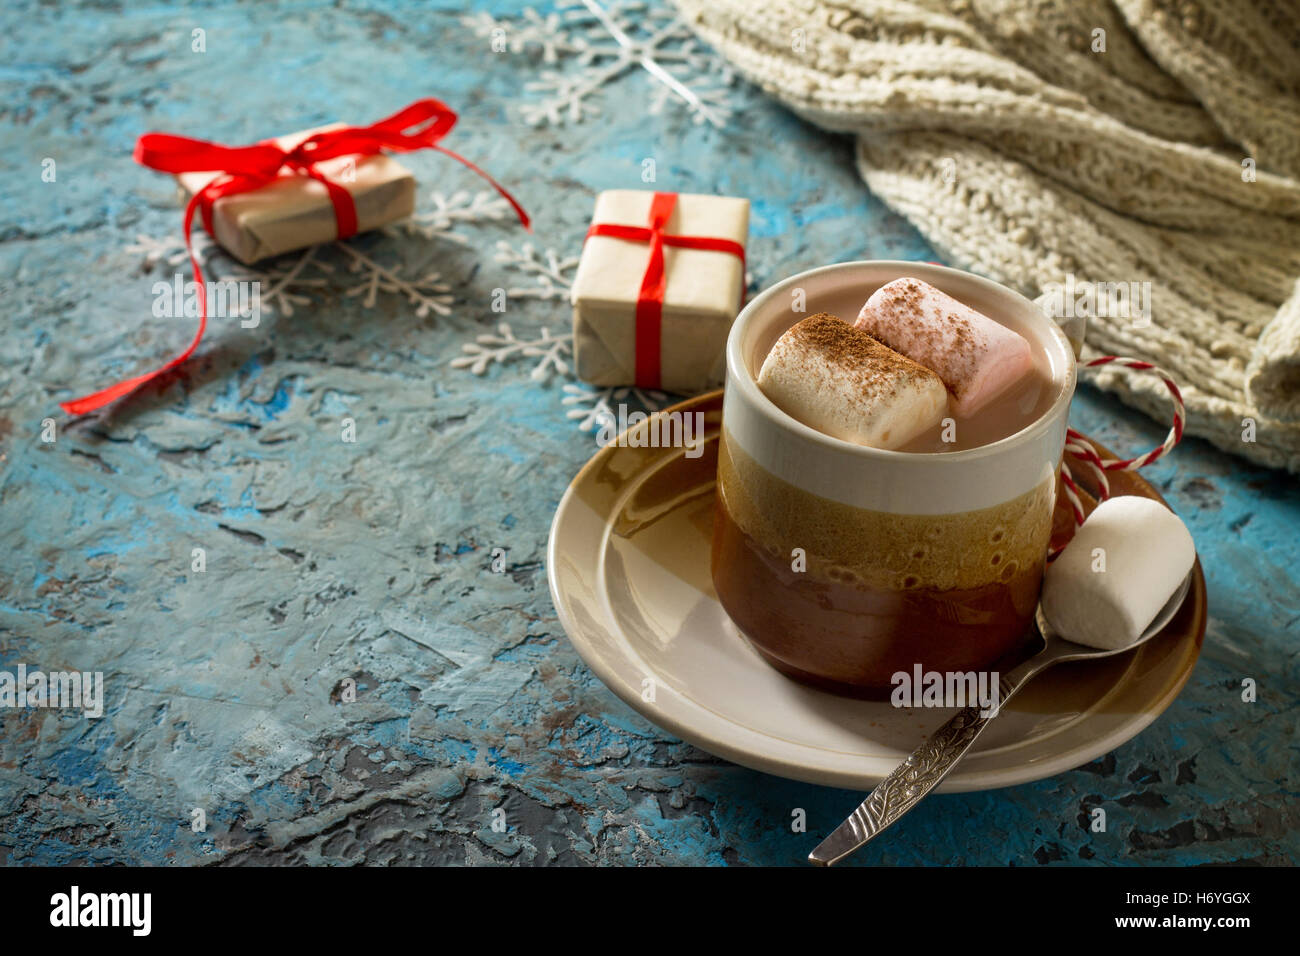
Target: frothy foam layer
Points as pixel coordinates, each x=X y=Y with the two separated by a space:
x=853 y=546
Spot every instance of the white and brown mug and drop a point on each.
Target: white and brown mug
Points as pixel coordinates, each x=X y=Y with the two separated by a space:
x=844 y=565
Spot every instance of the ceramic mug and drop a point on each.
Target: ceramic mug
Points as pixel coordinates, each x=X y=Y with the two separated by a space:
x=844 y=565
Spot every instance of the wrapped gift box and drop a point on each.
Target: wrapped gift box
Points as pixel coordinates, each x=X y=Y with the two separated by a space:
x=702 y=292
x=295 y=211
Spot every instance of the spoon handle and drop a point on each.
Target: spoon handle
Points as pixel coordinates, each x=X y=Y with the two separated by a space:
x=915 y=777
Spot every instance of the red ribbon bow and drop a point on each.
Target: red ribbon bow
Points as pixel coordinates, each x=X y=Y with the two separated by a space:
x=245 y=168
x=650 y=300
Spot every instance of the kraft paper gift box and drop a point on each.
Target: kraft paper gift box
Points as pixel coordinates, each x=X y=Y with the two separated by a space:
x=703 y=292
x=295 y=211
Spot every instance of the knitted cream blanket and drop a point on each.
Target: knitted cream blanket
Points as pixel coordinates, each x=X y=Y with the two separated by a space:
x=1139 y=158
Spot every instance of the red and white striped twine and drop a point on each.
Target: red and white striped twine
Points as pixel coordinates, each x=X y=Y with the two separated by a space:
x=1083 y=450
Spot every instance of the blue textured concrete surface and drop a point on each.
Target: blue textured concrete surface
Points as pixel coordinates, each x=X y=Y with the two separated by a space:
x=372 y=561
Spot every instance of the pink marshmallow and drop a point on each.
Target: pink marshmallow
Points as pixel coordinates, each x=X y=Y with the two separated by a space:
x=976 y=358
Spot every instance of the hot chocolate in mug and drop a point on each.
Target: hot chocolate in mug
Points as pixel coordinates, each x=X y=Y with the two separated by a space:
x=844 y=565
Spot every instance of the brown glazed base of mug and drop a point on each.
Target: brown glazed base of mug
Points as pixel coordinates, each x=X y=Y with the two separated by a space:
x=1020 y=650
x=814 y=681
x=852 y=640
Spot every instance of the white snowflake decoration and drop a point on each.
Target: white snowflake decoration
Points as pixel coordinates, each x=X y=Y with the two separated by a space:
x=531 y=32
x=449 y=211
x=592 y=408
x=170 y=250
x=504 y=346
x=288 y=286
x=588 y=407
x=552 y=274
x=602 y=43
x=291 y=284
x=281 y=286
x=428 y=293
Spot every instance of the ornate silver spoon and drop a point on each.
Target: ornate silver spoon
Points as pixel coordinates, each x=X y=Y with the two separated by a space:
x=922 y=771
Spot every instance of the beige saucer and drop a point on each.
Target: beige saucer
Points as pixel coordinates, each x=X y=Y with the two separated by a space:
x=628 y=563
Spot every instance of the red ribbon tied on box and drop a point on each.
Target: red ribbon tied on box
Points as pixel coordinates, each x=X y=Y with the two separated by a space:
x=650 y=299
x=245 y=168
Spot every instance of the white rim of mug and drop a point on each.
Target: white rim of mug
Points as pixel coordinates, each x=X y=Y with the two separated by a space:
x=738 y=371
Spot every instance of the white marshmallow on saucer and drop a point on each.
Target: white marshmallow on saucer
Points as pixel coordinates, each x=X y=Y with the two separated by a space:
x=842 y=382
x=1123 y=565
x=977 y=358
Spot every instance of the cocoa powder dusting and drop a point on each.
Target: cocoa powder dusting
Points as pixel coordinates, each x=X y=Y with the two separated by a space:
x=875 y=367
x=950 y=335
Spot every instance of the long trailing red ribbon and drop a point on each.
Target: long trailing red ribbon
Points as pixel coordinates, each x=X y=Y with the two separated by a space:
x=245 y=168
x=650 y=299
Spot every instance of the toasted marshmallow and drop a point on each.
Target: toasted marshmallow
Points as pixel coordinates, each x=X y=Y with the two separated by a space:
x=1117 y=572
x=977 y=358
x=841 y=381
